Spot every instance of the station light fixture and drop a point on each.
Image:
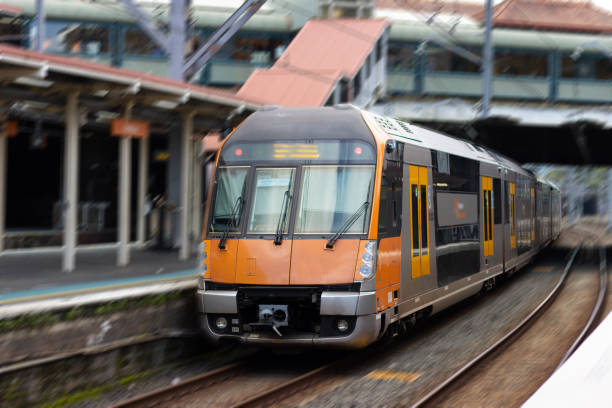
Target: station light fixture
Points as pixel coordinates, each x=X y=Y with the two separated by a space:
x=29 y=81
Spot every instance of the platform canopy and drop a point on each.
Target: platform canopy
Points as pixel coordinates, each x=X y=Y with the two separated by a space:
x=36 y=82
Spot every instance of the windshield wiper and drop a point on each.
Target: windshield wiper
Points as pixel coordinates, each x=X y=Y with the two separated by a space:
x=232 y=221
x=278 y=238
x=347 y=224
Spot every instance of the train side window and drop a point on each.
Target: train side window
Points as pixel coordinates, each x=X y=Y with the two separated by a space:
x=424 y=220
x=506 y=202
x=497 y=201
x=489 y=215
x=415 y=219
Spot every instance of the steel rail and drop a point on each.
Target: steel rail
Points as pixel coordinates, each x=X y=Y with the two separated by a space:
x=597 y=308
x=191 y=385
x=289 y=388
x=546 y=302
x=268 y=397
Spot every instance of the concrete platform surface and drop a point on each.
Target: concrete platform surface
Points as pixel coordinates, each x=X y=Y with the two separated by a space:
x=31 y=275
x=584 y=380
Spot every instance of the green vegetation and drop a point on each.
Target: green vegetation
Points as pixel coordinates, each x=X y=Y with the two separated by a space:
x=93 y=393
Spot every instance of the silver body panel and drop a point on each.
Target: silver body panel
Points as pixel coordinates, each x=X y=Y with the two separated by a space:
x=217 y=301
x=348 y=303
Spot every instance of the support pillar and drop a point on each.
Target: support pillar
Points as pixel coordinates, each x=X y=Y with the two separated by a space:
x=610 y=199
x=71 y=180
x=196 y=206
x=143 y=177
x=3 y=171
x=186 y=146
x=125 y=188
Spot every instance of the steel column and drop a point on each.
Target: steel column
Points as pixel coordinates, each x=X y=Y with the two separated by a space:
x=143 y=177
x=71 y=180
x=40 y=25
x=3 y=171
x=487 y=63
x=176 y=40
x=186 y=146
x=125 y=188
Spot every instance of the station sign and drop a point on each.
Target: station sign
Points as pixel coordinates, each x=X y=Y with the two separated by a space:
x=10 y=127
x=129 y=128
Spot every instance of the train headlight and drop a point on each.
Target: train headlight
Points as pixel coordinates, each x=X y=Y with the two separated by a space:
x=221 y=323
x=204 y=259
x=367 y=258
x=365 y=271
x=342 y=325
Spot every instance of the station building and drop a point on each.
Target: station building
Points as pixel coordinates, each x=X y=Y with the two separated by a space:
x=417 y=59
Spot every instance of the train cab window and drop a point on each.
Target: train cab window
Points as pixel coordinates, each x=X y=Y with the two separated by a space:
x=229 y=199
x=331 y=195
x=390 y=215
x=271 y=200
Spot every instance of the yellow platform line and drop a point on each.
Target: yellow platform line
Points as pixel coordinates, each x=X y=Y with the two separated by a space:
x=542 y=269
x=404 y=376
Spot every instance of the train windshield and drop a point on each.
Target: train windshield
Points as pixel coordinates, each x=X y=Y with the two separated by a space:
x=230 y=198
x=271 y=200
x=330 y=195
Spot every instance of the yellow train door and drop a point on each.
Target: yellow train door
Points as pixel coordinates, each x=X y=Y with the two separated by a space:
x=487 y=215
x=419 y=218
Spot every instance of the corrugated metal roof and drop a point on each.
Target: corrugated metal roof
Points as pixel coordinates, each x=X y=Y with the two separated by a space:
x=209 y=15
x=320 y=54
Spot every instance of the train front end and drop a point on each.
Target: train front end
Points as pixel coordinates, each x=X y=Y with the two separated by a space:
x=287 y=255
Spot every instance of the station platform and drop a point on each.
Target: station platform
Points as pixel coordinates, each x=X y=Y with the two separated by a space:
x=30 y=275
x=584 y=380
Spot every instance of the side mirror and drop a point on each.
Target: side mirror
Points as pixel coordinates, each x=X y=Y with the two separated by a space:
x=390 y=146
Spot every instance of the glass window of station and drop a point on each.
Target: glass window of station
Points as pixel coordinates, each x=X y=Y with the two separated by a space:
x=257 y=183
x=517 y=63
x=586 y=66
x=76 y=38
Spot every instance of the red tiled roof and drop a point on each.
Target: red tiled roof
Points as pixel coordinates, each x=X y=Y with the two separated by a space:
x=286 y=87
x=560 y=15
x=94 y=69
x=6 y=9
x=319 y=55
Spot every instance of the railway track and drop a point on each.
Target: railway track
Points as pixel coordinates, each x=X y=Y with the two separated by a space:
x=247 y=383
x=467 y=381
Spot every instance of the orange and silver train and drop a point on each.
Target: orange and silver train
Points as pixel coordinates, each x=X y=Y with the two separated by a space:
x=333 y=226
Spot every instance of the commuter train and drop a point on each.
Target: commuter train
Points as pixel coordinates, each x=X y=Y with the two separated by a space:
x=333 y=226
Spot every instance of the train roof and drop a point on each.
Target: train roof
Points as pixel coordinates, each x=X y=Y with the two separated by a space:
x=423 y=137
x=272 y=123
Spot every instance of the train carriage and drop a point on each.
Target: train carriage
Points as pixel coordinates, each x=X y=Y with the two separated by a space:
x=331 y=226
